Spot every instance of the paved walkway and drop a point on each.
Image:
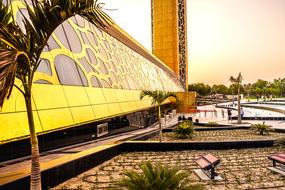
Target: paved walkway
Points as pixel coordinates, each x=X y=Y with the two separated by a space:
x=220 y=118
x=16 y=169
x=19 y=168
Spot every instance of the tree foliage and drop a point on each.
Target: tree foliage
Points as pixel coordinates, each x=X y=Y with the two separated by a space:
x=256 y=89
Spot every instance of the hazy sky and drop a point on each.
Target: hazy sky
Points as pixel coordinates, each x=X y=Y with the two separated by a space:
x=224 y=36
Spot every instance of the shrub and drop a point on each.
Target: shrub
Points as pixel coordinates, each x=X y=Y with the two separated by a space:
x=212 y=124
x=261 y=128
x=184 y=129
x=157 y=177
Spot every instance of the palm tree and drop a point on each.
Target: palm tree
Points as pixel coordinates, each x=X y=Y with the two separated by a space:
x=20 y=50
x=238 y=81
x=158 y=97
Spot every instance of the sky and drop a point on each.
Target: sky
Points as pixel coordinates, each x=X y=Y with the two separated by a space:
x=225 y=37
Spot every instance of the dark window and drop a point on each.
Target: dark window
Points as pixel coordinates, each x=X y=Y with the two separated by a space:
x=95 y=82
x=103 y=53
x=52 y=44
x=67 y=71
x=92 y=39
x=44 y=67
x=105 y=84
x=88 y=68
x=72 y=37
x=59 y=32
x=20 y=18
x=80 y=21
x=41 y=81
x=102 y=67
x=91 y=56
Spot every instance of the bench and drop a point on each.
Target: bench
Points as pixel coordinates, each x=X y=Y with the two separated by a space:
x=277 y=158
x=208 y=163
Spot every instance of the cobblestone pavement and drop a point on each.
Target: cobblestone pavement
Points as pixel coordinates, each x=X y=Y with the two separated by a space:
x=222 y=135
x=240 y=169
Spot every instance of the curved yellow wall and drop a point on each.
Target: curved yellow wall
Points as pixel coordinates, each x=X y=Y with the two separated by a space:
x=86 y=75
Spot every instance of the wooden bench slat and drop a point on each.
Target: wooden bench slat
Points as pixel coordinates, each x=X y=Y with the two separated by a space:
x=203 y=163
x=277 y=159
x=212 y=159
x=280 y=155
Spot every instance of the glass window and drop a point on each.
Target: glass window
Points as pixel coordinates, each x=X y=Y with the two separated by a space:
x=88 y=68
x=44 y=67
x=110 y=81
x=113 y=77
x=105 y=84
x=21 y=13
x=92 y=39
x=67 y=71
x=41 y=81
x=82 y=76
x=95 y=82
x=80 y=21
x=85 y=39
x=73 y=19
x=52 y=44
x=113 y=66
x=91 y=56
x=102 y=67
x=72 y=37
x=103 y=53
x=59 y=32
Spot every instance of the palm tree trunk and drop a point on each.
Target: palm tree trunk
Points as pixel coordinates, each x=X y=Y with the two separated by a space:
x=159 y=123
x=239 y=116
x=35 y=183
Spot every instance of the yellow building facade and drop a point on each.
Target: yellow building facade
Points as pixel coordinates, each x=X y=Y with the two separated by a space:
x=169 y=36
x=85 y=75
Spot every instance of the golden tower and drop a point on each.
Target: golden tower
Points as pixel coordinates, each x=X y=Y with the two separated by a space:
x=169 y=35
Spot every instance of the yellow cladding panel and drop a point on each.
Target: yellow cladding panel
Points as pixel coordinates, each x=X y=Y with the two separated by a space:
x=136 y=94
x=16 y=125
x=129 y=95
x=109 y=95
x=101 y=111
x=82 y=114
x=126 y=107
x=76 y=96
x=121 y=95
x=49 y=96
x=165 y=32
x=114 y=109
x=55 y=118
x=95 y=95
x=16 y=102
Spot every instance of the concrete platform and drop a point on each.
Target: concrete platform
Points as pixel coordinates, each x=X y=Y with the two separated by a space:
x=205 y=177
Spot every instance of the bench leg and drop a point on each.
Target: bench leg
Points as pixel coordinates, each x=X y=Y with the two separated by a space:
x=274 y=163
x=213 y=173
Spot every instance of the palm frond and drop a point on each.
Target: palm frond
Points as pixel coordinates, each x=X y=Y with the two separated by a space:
x=5 y=14
x=9 y=60
x=157 y=96
x=43 y=18
x=237 y=80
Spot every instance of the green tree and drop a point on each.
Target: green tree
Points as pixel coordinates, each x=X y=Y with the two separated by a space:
x=157 y=177
x=220 y=89
x=158 y=97
x=201 y=88
x=20 y=50
x=247 y=89
x=238 y=80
